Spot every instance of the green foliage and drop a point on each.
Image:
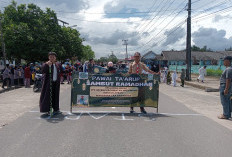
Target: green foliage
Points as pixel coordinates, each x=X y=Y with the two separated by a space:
x=211 y=72
x=111 y=58
x=229 y=49
x=88 y=53
x=204 y=49
x=30 y=33
x=103 y=59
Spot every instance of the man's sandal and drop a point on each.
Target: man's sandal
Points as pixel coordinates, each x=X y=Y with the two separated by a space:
x=222 y=117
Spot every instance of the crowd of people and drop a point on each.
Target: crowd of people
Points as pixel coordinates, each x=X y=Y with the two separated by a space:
x=170 y=79
x=24 y=75
x=20 y=75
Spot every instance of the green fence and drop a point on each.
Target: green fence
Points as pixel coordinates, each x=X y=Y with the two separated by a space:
x=114 y=90
x=195 y=68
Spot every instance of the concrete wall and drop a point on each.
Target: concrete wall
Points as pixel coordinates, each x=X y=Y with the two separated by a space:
x=195 y=68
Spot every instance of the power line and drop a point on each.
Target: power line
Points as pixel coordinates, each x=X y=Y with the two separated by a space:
x=99 y=21
x=148 y=13
x=105 y=13
x=156 y=14
x=196 y=1
x=160 y=16
x=163 y=27
x=164 y=19
x=177 y=27
x=207 y=16
x=210 y=14
x=169 y=15
x=166 y=25
x=195 y=18
x=212 y=6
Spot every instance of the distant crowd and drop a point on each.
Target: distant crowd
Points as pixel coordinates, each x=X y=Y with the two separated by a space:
x=24 y=75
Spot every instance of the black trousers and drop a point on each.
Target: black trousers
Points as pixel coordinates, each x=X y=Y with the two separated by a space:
x=55 y=106
x=182 y=82
x=5 y=82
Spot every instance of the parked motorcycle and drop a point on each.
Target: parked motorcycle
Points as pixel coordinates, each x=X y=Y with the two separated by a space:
x=37 y=83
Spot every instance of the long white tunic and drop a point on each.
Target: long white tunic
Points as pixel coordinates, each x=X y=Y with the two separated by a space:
x=174 y=77
x=202 y=72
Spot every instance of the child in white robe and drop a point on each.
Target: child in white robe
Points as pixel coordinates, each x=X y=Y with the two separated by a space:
x=174 y=77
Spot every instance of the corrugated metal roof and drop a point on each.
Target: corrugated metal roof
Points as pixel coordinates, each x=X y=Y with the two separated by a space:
x=197 y=55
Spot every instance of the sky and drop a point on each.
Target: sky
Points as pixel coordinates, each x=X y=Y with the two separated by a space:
x=148 y=25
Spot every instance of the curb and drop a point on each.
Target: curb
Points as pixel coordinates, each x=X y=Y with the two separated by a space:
x=207 y=89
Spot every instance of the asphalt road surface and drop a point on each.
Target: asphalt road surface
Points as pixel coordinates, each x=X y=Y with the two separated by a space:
x=112 y=132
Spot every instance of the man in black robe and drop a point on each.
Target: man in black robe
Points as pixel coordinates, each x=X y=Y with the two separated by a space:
x=56 y=69
x=91 y=66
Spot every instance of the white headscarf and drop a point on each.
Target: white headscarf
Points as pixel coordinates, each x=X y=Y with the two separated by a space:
x=110 y=64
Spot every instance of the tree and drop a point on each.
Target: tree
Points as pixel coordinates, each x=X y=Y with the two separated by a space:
x=229 y=49
x=30 y=33
x=103 y=59
x=71 y=43
x=88 y=53
x=113 y=58
x=204 y=49
x=195 y=48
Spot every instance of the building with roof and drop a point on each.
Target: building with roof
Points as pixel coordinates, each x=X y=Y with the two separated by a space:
x=198 y=58
x=152 y=58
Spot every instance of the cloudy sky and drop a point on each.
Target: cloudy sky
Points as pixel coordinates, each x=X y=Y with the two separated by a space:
x=155 y=25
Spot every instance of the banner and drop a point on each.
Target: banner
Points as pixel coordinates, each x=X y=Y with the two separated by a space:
x=114 y=90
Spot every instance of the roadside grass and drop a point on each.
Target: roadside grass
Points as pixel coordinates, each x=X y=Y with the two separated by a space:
x=211 y=72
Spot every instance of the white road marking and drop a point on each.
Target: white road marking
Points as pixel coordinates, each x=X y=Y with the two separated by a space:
x=123 y=118
x=78 y=117
x=74 y=116
x=84 y=111
x=100 y=116
x=140 y=115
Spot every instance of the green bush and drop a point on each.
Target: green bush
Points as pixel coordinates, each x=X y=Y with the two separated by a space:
x=211 y=72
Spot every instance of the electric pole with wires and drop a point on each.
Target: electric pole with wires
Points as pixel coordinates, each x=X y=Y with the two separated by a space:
x=188 y=44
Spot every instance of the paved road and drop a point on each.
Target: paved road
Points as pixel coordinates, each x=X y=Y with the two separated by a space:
x=113 y=132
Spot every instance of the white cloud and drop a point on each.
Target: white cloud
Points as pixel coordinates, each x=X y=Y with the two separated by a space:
x=212 y=38
x=107 y=37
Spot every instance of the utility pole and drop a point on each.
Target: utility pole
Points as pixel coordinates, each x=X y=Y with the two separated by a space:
x=125 y=43
x=3 y=44
x=188 y=43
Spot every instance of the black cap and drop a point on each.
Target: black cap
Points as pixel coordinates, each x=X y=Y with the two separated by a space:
x=52 y=53
x=228 y=58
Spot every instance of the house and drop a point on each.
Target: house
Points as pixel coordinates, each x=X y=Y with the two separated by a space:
x=151 y=58
x=197 y=57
